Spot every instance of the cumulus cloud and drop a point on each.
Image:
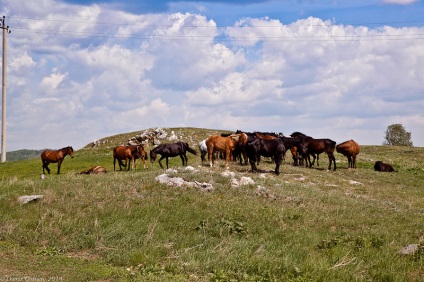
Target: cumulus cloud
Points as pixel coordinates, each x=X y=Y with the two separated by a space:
x=51 y=82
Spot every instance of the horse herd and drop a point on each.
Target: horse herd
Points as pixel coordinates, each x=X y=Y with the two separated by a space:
x=246 y=147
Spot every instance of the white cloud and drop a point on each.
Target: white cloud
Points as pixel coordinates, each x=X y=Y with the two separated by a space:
x=399 y=2
x=51 y=82
x=310 y=75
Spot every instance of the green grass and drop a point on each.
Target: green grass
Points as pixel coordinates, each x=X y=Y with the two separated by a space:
x=307 y=225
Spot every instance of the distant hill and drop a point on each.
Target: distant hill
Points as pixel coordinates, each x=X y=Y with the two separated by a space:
x=24 y=154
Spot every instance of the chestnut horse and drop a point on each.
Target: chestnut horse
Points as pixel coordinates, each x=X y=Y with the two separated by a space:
x=349 y=149
x=310 y=146
x=126 y=153
x=50 y=156
x=140 y=154
x=171 y=150
x=224 y=144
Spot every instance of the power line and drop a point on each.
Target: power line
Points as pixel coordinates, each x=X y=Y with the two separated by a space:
x=213 y=26
x=224 y=37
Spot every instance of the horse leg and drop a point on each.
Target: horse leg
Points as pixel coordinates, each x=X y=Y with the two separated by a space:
x=318 y=160
x=161 y=166
x=211 y=156
x=253 y=165
x=334 y=160
x=308 y=161
x=182 y=159
x=227 y=158
x=59 y=163
x=331 y=158
x=166 y=162
x=127 y=163
x=349 y=162
x=354 y=161
x=278 y=160
x=46 y=166
x=313 y=162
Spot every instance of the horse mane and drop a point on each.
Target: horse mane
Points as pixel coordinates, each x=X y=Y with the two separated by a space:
x=299 y=133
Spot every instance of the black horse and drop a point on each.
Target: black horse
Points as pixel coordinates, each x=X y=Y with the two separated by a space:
x=310 y=146
x=171 y=150
x=273 y=148
x=293 y=144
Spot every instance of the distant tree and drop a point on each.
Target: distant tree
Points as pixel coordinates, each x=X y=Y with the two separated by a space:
x=396 y=135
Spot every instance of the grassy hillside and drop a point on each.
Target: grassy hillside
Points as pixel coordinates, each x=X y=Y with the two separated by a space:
x=23 y=155
x=303 y=225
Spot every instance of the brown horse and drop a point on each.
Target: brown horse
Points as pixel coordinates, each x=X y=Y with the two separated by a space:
x=126 y=153
x=94 y=170
x=310 y=146
x=224 y=144
x=57 y=156
x=142 y=155
x=349 y=149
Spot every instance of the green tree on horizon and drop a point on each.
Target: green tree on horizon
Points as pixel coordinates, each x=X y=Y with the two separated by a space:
x=396 y=135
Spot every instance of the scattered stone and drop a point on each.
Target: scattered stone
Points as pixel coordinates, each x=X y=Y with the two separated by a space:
x=228 y=174
x=179 y=182
x=410 y=249
x=191 y=169
x=354 y=182
x=26 y=199
x=171 y=171
x=263 y=192
x=172 y=136
x=243 y=181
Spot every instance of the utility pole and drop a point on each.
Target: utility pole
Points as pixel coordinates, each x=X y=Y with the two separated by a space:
x=6 y=30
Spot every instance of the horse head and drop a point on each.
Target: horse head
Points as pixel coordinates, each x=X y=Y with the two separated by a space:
x=242 y=139
x=152 y=156
x=235 y=137
x=70 y=151
x=299 y=135
x=303 y=149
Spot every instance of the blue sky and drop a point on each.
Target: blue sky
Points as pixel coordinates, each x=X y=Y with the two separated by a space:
x=83 y=70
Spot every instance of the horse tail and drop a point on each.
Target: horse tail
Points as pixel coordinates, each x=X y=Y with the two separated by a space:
x=191 y=150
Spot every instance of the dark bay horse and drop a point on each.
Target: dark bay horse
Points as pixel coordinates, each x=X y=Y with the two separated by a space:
x=55 y=156
x=273 y=148
x=126 y=153
x=293 y=144
x=171 y=150
x=310 y=146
